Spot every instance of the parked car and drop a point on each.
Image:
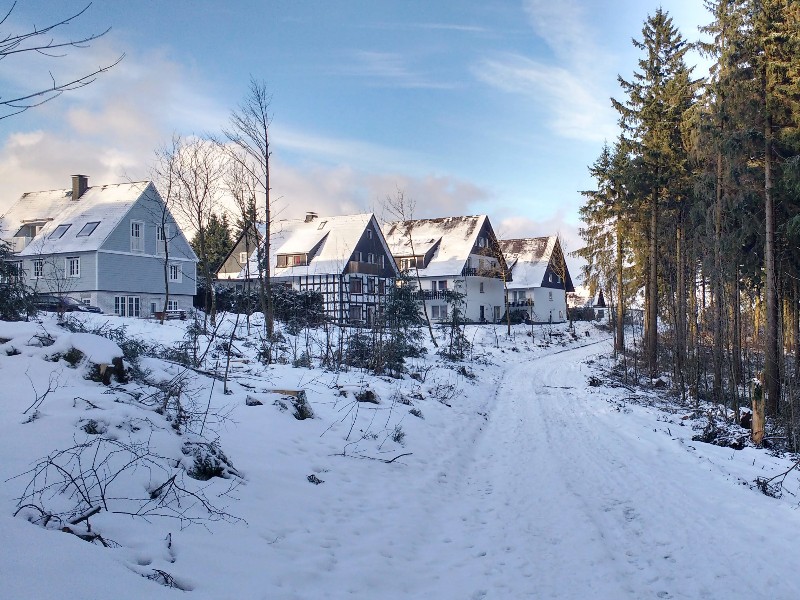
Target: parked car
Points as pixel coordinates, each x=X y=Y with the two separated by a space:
x=50 y=303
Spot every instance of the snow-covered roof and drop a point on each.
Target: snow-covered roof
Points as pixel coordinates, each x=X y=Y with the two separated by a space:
x=528 y=259
x=104 y=205
x=334 y=238
x=453 y=237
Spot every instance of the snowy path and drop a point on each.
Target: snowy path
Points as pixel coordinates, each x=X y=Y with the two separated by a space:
x=560 y=497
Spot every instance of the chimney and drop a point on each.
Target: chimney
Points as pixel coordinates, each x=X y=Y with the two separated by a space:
x=80 y=183
x=310 y=216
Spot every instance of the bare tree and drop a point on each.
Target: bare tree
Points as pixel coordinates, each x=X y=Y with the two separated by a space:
x=249 y=132
x=40 y=40
x=197 y=172
x=403 y=209
x=165 y=177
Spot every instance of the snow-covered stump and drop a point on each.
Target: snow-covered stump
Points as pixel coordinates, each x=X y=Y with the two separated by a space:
x=104 y=357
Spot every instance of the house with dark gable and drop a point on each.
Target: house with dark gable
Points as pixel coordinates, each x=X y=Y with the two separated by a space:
x=458 y=254
x=344 y=258
x=105 y=245
x=540 y=278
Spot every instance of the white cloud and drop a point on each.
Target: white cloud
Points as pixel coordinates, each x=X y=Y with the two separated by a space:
x=578 y=111
x=571 y=86
x=390 y=69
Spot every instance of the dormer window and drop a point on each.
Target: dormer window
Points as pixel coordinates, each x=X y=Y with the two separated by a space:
x=59 y=232
x=291 y=260
x=321 y=225
x=88 y=229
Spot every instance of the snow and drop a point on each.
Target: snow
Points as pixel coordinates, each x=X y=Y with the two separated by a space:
x=334 y=238
x=104 y=204
x=528 y=259
x=520 y=480
x=456 y=236
x=97 y=349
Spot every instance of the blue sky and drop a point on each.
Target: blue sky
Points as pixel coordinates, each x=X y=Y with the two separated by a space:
x=467 y=106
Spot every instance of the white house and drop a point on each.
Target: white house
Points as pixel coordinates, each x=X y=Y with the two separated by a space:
x=345 y=258
x=452 y=254
x=539 y=278
x=106 y=245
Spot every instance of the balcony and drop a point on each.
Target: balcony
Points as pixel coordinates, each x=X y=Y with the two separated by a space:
x=434 y=294
x=475 y=272
x=364 y=267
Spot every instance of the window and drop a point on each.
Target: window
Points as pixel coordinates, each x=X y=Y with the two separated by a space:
x=357 y=256
x=443 y=285
x=88 y=229
x=242 y=258
x=550 y=294
x=162 y=239
x=356 y=285
x=175 y=272
x=172 y=305
x=126 y=306
x=290 y=260
x=59 y=232
x=38 y=268
x=369 y=233
x=482 y=242
x=381 y=286
x=137 y=236
x=439 y=312
x=408 y=263
x=433 y=286
x=382 y=261
x=370 y=258
x=481 y=287
x=322 y=225
x=355 y=312
x=73 y=266
x=371 y=285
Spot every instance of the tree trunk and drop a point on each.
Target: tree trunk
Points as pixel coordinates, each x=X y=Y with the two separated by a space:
x=619 y=340
x=717 y=288
x=772 y=383
x=652 y=325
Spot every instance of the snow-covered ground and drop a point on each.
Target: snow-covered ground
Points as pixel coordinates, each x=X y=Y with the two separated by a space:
x=514 y=479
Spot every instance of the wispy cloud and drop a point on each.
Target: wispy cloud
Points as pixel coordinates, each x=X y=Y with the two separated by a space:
x=390 y=69
x=450 y=27
x=570 y=84
x=578 y=110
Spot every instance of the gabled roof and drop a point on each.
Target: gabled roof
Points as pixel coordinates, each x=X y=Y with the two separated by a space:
x=528 y=259
x=330 y=240
x=454 y=238
x=105 y=205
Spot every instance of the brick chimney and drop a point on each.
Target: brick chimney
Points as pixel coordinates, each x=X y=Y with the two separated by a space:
x=80 y=183
x=310 y=216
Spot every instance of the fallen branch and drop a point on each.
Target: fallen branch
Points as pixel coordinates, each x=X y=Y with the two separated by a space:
x=383 y=460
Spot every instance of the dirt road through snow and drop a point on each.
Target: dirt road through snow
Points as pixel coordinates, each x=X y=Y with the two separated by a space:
x=566 y=497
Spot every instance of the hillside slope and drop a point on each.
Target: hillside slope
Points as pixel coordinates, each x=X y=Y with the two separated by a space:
x=513 y=478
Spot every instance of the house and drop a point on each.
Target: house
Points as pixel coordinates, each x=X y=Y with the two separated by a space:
x=540 y=278
x=449 y=254
x=111 y=246
x=345 y=258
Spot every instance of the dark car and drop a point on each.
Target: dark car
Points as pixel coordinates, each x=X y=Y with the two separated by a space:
x=62 y=304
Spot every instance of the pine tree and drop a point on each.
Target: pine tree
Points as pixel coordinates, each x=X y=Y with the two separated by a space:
x=652 y=118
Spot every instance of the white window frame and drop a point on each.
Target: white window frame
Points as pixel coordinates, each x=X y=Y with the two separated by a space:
x=72 y=266
x=243 y=258
x=173 y=305
x=162 y=238
x=127 y=306
x=137 y=236
x=481 y=288
x=175 y=272
x=550 y=294
x=37 y=272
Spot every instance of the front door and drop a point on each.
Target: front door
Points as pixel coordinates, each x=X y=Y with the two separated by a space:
x=483 y=314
